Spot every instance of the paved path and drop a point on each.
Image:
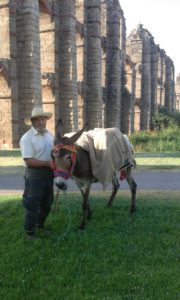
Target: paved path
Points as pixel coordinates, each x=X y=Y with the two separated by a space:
x=146 y=180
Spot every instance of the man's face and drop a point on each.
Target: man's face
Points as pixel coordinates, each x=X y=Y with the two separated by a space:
x=39 y=123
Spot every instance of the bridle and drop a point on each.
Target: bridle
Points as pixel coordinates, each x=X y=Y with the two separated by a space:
x=55 y=153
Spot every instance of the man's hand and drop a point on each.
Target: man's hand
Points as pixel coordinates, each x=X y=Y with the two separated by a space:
x=52 y=165
x=31 y=162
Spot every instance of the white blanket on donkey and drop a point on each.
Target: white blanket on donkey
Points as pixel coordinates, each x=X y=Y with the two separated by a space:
x=109 y=150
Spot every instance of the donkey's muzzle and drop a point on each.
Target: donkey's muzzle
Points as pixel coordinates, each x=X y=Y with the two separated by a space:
x=61 y=185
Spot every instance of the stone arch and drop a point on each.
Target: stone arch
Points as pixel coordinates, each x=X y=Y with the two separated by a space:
x=48 y=96
x=5 y=91
x=45 y=15
x=4 y=72
x=45 y=8
x=128 y=94
x=47 y=81
x=129 y=64
x=138 y=68
x=5 y=106
x=47 y=56
x=80 y=29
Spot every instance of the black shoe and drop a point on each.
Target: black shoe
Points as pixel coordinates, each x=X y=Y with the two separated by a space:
x=32 y=237
x=41 y=230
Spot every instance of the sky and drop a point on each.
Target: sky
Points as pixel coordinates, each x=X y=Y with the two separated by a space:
x=161 y=18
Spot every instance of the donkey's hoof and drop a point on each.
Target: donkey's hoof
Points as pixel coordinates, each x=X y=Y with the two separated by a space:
x=133 y=209
x=81 y=227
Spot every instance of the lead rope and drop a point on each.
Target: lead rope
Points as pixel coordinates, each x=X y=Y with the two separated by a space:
x=69 y=216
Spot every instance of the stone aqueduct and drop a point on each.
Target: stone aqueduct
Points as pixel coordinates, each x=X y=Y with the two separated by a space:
x=73 y=57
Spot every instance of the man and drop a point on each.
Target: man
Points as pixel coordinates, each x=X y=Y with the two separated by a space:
x=36 y=145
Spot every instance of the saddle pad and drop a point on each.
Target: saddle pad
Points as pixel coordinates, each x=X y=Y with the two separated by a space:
x=109 y=151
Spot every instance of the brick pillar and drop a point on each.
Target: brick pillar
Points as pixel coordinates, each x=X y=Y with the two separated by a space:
x=159 y=78
x=8 y=76
x=128 y=98
x=113 y=65
x=127 y=82
x=169 y=86
x=104 y=59
x=134 y=49
x=146 y=81
x=177 y=87
x=68 y=108
x=49 y=59
x=154 y=76
x=81 y=61
x=163 y=62
x=94 y=63
x=29 y=59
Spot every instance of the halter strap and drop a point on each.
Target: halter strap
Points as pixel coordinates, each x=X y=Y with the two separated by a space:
x=71 y=148
x=65 y=174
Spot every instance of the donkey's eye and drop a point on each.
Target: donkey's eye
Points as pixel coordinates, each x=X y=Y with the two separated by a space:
x=68 y=157
x=54 y=154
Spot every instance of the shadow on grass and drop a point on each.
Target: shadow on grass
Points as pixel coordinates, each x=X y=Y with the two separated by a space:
x=157 y=154
x=10 y=153
x=19 y=170
x=157 y=168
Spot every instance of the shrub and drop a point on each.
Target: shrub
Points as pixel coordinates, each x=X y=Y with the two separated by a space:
x=164 y=137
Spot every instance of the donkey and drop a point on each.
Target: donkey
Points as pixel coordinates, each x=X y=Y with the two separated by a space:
x=72 y=161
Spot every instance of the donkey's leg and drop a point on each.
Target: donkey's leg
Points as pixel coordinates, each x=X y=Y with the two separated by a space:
x=133 y=186
x=85 y=190
x=115 y=186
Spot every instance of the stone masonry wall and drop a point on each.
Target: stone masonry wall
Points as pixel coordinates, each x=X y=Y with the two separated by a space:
x=128 y=97
x=113 y=66
x=94 y=63
x=161 y=77
x=154 y=77
x=134 y=49
x=9 y=124
x=69 y=56
x=49 y=53
x=68 y=108
x=178 y=93
x=29 y=73
x=169 y=86
x=81 y=43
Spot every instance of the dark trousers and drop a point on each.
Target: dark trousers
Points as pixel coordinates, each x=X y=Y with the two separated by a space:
x=37 y=200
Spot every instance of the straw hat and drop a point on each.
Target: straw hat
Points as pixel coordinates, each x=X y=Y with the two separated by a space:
x=36 y=113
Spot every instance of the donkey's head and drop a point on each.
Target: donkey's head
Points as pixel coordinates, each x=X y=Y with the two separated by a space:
x=64 y=155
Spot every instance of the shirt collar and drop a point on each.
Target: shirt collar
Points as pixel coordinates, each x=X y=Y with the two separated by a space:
x=35 y=131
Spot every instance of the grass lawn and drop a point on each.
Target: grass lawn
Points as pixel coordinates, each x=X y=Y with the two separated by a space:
x=118 y=257
x=12 y=163
x=158 y=161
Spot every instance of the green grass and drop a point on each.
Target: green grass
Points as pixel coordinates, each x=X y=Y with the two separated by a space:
x=12 y=163
x=158 y=161
x=119 y=256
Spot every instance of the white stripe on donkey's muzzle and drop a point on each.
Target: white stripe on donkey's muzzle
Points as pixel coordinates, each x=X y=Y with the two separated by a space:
x=61 y=183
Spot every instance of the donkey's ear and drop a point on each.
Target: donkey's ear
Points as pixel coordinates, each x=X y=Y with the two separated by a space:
x=59 y=130
x=77 y=135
